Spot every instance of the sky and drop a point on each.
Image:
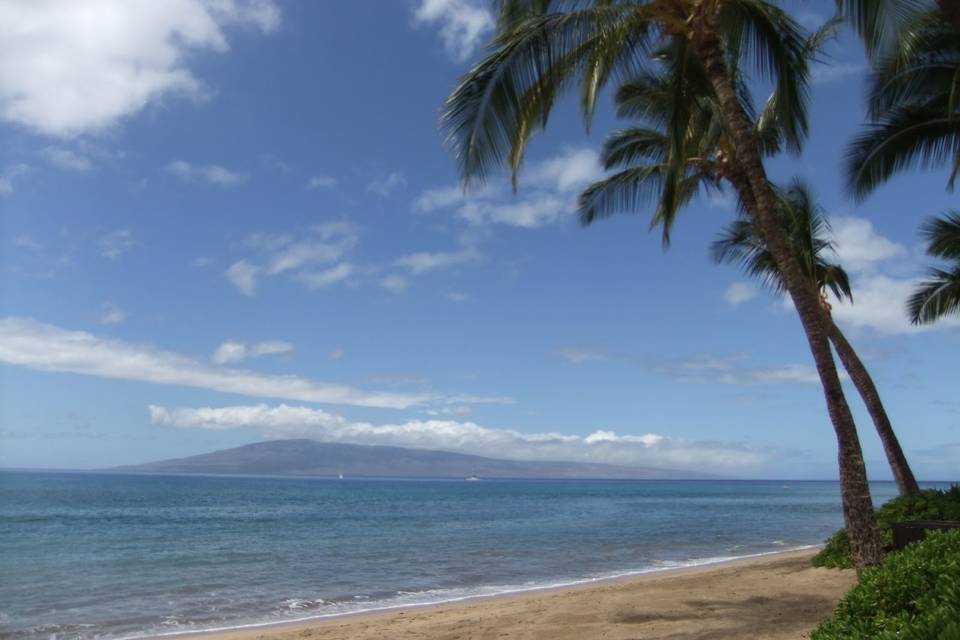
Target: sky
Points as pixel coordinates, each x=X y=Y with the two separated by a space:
x=227 y=221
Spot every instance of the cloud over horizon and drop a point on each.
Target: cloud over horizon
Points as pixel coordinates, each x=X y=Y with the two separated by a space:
x=600 y=446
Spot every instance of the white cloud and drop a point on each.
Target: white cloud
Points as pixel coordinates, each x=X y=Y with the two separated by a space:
x=548 y=192
x=232 y=351
x=112 y=314
x=9 y=174
x=212 y=173
x=463 y=24
x=388 y=184
x=116 y=243
x=438 y=198
x=68 y=68
x=880 y=303
x=27 y=241
x=243 y=276
x=201 y=261
x=282 y=253
x=601 y=446
x=67 y=159
x=738 y=293
x=322 y=182
x=579 y=355
x=569 y=171
x=31 y=344
x=423 y=262
x=457 y=296
x=337 y=353
x=395 y=283
x=326 y=277
x=858 y=245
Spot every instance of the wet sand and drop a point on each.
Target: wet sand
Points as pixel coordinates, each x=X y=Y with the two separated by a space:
x=776 y=597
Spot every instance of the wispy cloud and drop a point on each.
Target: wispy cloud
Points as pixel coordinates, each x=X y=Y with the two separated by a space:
x=322 y=182
x=388 y=184
x=77 y=75
x=67 y=160
x=28 y=343
x=580 y=355
x=548 y=191
x=116 y=243
x=212 y=173
x=299 y=257
x=8 y=176
x=112 y=314
x=600 y=446
x=232 y=351
x=464 y=24
x=730 y=369
x=425 y=261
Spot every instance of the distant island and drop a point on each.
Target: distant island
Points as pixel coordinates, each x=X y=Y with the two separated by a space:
x=313 y=458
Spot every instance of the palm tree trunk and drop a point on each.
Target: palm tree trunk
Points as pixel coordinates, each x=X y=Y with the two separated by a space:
x=906 y=483
x=854 y=489
x=951 y=11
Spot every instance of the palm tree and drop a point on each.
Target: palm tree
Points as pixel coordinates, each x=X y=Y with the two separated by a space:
x=807 y=229
x=939 y=295
x=543 y=47
x=915 y=116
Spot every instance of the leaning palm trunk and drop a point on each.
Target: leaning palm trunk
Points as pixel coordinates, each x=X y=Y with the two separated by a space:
x=854 y=488
x=906 y=482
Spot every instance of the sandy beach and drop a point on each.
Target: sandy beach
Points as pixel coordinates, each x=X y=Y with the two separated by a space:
x=776 y=597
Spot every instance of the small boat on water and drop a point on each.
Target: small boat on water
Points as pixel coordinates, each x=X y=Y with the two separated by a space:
x=471 y=478
x=340 y=476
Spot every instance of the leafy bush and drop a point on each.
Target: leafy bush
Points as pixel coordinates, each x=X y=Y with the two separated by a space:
x=930 y=504
x=914 y=594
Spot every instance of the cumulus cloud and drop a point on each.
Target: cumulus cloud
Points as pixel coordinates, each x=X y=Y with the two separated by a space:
x=880 y=304
x=325 y=277
x=116 y=243
x=601 y=446
x=212 y=173
x=232 y=351
x=112 y=314
x=738 y=293
x=463 y=24
x=28 y=343
x=388 y=184
x=548 y=191
x=858 y=245
x=68 y=68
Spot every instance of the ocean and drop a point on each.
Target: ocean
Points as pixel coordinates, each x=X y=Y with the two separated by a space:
x=86 y=555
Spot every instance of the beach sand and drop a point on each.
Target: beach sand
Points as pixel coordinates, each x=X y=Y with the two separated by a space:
x=771 y=597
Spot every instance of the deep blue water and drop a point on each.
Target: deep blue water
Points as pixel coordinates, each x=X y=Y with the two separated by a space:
x=89 y=555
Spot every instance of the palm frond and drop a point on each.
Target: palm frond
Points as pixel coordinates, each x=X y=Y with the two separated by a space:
x=935 y=297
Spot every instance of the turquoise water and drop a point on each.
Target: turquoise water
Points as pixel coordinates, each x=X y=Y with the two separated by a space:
x=97 y=555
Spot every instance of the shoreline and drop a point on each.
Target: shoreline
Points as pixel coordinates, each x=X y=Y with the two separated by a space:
x=284 y=629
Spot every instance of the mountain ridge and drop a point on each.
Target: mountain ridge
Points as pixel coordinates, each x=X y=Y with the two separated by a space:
x=306 y=458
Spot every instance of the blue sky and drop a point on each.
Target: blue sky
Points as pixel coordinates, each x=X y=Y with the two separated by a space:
x=234 y=221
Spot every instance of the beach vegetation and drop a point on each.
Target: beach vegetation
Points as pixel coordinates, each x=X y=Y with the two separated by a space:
x=913 y=595
x=929 y=504
x=544 y=48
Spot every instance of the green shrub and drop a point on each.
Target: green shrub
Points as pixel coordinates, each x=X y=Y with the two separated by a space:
x=930 y=504
x=914 y=594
